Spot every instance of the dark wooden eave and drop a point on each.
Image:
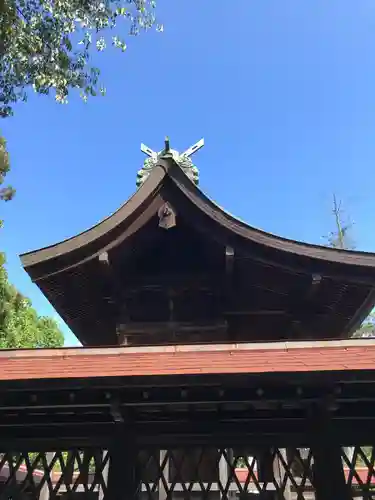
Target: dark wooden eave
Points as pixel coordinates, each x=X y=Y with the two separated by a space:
x=340 y=284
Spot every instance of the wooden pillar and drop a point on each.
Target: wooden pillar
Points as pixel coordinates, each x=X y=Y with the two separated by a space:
x=122 y=480
x=328 y=472
x=265 y=465
x=329 y=479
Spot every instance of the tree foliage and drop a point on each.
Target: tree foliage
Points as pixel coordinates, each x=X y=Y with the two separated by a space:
x=6 y=193
x=47 y=44
x=20 y=325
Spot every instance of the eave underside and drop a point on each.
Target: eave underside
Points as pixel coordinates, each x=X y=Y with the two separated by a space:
x=256 y=300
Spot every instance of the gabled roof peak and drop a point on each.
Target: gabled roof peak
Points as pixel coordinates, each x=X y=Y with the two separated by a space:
x=183 y=160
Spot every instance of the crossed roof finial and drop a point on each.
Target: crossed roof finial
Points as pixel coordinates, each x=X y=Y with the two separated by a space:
x=189 y=152
x=182 y=159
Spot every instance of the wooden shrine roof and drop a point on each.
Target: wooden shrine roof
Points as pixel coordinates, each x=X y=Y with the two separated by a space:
x=62 y=254
x=264 y=284
x=278 y=357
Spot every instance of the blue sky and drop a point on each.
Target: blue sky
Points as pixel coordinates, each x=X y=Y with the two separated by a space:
x=282 y=92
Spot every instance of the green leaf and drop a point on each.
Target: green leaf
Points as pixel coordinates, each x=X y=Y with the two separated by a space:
x=37 y=49
x=20 y=324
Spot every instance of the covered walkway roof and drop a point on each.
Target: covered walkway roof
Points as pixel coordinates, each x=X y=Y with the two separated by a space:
x=170 y=394
x=273 y=357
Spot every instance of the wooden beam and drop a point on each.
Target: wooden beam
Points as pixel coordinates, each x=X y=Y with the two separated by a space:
x=178 y=327
x=256 y=312
x=178 y=282
x=226 y=294
x=116 y=413
x=116 y=290
x=316 y=281
x=228 y=277
x=319 y=267
x=229 y=263
x=111 y=279
x=302 y=309
x=274 y=432
x=55 y=398
x=288 y=261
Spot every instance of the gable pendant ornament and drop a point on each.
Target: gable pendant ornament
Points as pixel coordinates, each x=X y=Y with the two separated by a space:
x=167 y=216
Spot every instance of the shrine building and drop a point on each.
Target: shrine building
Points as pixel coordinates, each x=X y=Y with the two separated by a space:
x=216 y=361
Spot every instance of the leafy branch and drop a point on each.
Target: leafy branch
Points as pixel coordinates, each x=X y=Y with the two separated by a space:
x=46 y=44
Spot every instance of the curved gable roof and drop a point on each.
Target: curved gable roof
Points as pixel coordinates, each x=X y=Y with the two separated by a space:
x=69 y=272
x=92 y=241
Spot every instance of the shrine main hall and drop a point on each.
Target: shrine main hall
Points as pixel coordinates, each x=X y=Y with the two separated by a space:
x=217 y=360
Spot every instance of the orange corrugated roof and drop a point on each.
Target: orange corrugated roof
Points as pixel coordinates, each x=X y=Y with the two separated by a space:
x=181 y=360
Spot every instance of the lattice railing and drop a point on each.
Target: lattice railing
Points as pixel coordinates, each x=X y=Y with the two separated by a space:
x=359 y=462
x=204 y=473
x=209 y=473
x=182 y=473
x=49 y=475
